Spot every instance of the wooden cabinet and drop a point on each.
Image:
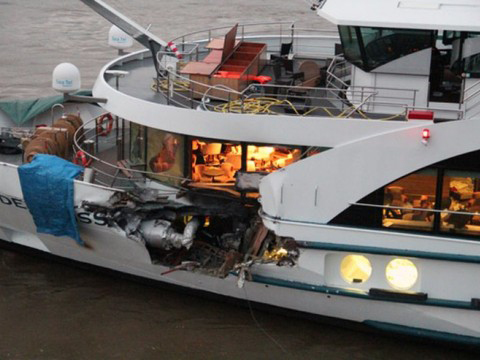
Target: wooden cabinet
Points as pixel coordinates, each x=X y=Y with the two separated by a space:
x=236 y=71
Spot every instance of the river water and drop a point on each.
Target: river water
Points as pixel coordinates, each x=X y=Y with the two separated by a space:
x=52 y=311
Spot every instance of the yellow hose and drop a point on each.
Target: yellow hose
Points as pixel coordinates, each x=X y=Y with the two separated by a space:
x=177 y=85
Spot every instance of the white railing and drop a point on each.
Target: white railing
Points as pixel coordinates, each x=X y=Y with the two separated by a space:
x=107 y=173
x=180 y=91
x=471 y=100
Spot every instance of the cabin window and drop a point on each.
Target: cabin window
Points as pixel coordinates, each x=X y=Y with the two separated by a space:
x=369 y=48
x=351 y=45
x=464 y=53
x=408 y=201
x=461 y=202
x=385 y=45
x=218 y=162
x=471 y=51
x=165 y=156
x=215 y=161
x=270 y=158
x=442 y=199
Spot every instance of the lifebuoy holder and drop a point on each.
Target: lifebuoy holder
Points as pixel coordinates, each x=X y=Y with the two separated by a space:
x=107 y=129
x=81 y=159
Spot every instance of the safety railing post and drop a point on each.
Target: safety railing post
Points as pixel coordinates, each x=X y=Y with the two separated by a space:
x=96 y=134
x=462 y=93
x=168 y=88
x=192 y=103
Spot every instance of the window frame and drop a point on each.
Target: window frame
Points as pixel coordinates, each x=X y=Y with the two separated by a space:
x=465 y=162
x=366 y=62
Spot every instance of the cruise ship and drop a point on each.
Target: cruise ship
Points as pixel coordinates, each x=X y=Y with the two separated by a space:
x=334 y=173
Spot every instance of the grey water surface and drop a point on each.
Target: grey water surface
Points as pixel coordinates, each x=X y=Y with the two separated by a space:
x=53 y=311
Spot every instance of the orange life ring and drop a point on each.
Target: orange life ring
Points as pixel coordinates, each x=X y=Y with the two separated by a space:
x=101 y=130
x=81 y=159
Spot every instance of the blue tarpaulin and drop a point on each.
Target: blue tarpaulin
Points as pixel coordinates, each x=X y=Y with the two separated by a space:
x=47 y=185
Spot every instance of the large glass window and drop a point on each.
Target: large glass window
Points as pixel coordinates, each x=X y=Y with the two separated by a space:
x=461 y=202
x=437 y=199
x=369 y=48
x=351 y=45
x=165 y=155
x=465 y=52
x=407 y=201
x=215 y=162
x=270 y=158
x=472 y=55
x=385 y=45
x=137 y=144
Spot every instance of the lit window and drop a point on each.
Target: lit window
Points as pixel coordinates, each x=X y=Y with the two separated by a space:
x=215 y=162
x=355 y=269
x=408 y=201
x=401 y=274
x=269 y=158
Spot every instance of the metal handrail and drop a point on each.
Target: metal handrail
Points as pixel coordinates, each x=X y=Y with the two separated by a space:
x=77 y=146
x=207 y=33
x=330 y=70
x=414 y=209
x=222 y=88
x=364 y=91
x=357 y=107
x=472 y=86
x=475 y=94
x=361 y=92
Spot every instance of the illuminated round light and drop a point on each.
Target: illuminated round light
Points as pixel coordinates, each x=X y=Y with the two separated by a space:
x=401 y=274
x=355 y=269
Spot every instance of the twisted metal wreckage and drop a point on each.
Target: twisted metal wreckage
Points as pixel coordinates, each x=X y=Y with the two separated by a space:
x=196 y=231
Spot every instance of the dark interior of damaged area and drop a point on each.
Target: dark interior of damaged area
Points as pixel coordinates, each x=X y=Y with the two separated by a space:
x=200 y=230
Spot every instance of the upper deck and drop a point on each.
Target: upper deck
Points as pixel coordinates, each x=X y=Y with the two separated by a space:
x=308 y=80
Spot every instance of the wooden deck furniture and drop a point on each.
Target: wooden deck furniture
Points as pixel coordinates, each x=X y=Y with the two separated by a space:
x=231 y=63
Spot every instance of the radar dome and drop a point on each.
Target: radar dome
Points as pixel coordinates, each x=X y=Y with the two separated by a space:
x=66 y=78
x=118 y=39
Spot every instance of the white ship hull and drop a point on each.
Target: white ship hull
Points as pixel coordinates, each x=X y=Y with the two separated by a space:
x=359 y=199
x=310 y=287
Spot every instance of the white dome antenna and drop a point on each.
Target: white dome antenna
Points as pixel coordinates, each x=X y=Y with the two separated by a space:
x=66 y=78
x=118 y=39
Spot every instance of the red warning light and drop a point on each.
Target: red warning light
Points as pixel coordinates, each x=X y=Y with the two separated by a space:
x=426 y=134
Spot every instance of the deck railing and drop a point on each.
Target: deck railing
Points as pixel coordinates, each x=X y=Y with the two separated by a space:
x=180 y=90
x=277 y=32
x=426 y=219
x=107 y=170
x=471 y=100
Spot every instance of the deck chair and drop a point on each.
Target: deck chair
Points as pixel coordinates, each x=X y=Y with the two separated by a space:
x=300 y=94
x=285 y=50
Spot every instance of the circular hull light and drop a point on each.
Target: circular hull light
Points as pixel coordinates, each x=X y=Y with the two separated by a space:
x=401 y=274
x=355 y=269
